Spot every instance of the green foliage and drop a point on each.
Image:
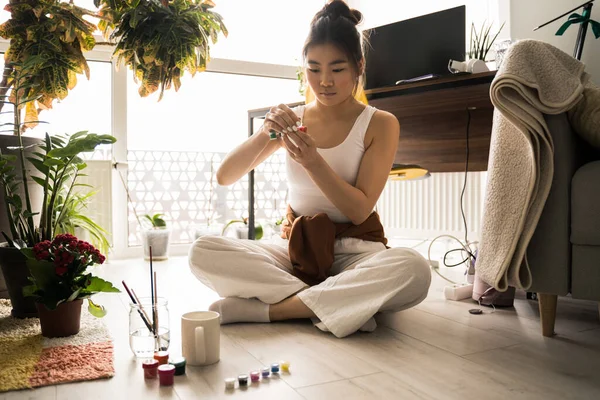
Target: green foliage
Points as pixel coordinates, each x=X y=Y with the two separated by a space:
x=159 y=40
x=301 y=80
x=72 y=214
x=156 y=221
x=482 y=42
x=59 y=165
x=51 y=36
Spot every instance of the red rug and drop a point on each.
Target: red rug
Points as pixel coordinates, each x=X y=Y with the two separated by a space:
x=29 y=360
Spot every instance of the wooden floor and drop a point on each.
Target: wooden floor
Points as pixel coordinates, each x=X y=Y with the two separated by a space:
x=435 y=351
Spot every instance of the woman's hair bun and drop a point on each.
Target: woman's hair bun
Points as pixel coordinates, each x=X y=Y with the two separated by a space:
x=339 y=8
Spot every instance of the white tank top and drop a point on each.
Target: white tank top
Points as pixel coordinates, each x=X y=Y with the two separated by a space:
x=304 y=195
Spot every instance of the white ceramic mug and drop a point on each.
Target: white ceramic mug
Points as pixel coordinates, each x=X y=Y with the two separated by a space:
x=201 y=337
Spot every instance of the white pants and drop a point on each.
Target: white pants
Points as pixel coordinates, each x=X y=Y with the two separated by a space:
x=365 y=278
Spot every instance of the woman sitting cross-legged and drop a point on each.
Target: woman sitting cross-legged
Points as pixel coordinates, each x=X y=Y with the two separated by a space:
x=332 y=263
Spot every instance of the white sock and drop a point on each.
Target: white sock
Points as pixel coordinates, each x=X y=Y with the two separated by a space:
x=235 y=309
x=368 y=326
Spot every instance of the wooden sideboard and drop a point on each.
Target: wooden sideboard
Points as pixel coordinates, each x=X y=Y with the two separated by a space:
x=433 y=123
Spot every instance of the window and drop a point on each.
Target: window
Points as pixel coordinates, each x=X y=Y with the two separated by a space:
x=86 y=108
x=268 y=31
x=176 y=145
x=209 y=113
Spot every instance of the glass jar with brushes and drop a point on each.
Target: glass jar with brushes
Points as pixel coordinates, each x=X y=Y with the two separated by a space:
x=149 y=327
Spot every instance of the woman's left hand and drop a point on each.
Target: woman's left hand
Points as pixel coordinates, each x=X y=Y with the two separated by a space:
x=301 y=147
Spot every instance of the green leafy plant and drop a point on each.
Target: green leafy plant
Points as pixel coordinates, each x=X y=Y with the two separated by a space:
x=59 y=273
x=156 y=221
x=482 y=42
x=301 y=80
x=258 y=229
x=73 y=216
x=58 y=165
x=51 y=36
x=160 y=39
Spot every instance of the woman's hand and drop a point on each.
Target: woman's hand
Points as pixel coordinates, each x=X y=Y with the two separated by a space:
x=280 y=119
x=301 y=147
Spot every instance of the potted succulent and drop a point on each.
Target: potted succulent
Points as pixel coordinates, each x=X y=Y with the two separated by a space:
x=156 y=236
x=54 y=166
x=61 y=279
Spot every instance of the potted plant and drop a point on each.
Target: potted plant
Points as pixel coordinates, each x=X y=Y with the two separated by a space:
x=51 y=36
x=61 y=279
x=144 y=33
x=156 y=236
x=241 y=232
x=160 y=39
x=481 y=42
x=54 y=166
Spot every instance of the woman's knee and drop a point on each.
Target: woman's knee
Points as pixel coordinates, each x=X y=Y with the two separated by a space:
x=413 y=267
x=413 y=277
x=203 y=250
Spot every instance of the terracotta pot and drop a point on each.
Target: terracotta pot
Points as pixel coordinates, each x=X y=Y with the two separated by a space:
x=63 y=321
x=15 y=271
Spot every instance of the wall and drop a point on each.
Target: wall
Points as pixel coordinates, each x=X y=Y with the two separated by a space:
x=526 y=15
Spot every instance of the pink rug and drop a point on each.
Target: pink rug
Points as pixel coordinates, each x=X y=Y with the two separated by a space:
x=29 y=360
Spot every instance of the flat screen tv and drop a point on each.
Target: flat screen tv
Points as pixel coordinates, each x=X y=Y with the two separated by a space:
x=415 y=47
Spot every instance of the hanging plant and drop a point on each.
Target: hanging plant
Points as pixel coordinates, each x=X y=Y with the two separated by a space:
x=51 y=37
x=160 y=39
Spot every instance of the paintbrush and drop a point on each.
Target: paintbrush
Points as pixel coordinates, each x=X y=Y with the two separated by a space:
x=156 y=311
x=143 y=311
x=152 y=296
x=134 y=300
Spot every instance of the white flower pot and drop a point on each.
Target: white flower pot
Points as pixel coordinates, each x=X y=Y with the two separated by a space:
x=159 y=240
x=241 y=232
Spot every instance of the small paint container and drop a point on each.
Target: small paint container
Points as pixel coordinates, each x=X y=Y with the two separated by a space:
x=166 y=373
x=302 y=129
x=243 y=380
x=266 y=371
x=255 y=376
x=275 y=368
x=179 y=364
x=162 y=357
x=150 y=369
x=230 y=383
x=285 y=366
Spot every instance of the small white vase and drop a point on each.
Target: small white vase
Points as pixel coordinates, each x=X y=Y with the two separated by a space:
x=159 y=240
x=241 y=232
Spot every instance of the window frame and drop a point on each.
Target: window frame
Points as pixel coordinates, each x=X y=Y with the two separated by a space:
x=119 y=82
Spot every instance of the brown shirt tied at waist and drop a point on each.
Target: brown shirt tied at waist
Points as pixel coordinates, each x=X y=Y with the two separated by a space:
x=312 y=239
